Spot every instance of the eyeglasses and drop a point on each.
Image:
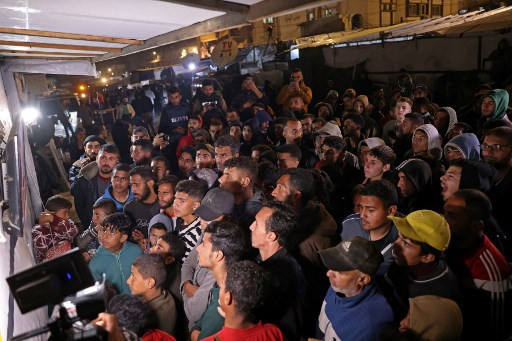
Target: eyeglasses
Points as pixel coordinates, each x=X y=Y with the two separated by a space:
x=494 y=147
x=107 y=231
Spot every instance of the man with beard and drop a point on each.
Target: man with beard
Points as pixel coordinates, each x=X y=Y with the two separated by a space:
x=92 y=181
x=145 y=205
x=353 y=124
x=141 y=153
x=239 y=177
x=497 y=150
x=316 y=230
x=92 y=144
x=293 y=133
x=249 y=92
x=307 y=130
x=160 y=167
x=295 y=88
x=166 y=191
x=186 y=162
x=207 y=98
x=195 y=123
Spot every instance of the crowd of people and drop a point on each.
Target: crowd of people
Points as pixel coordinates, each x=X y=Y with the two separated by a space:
x=270 y=217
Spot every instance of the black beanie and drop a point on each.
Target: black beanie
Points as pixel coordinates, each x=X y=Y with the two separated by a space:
x=93 y=138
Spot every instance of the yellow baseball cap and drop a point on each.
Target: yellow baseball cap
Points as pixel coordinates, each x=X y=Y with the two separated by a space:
x=424 y=226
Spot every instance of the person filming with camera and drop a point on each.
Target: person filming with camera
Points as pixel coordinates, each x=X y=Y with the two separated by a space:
x=297 y=87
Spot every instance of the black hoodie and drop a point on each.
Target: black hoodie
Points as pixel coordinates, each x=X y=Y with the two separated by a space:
x=420 y=174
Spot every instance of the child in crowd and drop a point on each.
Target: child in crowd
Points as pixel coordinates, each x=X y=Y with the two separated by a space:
x=54 y=234
x=156 y=231
x=88 y=240
x=378 y=165
x=115 y=256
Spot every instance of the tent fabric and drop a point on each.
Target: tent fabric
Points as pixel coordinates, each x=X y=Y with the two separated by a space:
x=452 y=25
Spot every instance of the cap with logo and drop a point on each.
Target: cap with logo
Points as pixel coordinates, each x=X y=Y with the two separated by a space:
x=424 y=226
x=353 y=254
x=216 y=202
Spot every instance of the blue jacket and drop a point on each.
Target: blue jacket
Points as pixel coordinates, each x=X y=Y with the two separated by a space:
x=360 y=317
x=116 y=267
x=108 y=195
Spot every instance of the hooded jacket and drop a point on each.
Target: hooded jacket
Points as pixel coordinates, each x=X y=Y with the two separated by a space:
x=500 y=97
x=419 y=173
x=85 y=192
x=477 y=175
x=371 y=142
x=452 y=117
x=257 y=137
x=116 y=267
x=119 y=205
x=467 y=144
x=435 y=142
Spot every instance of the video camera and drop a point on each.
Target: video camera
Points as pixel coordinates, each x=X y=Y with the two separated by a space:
x=65 y=281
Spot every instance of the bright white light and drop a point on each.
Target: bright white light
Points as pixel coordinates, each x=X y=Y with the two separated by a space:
x=30 y=115
x=82 y=95
x=191 y=66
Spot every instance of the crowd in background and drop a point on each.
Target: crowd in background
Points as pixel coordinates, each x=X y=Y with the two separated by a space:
x=259 y=214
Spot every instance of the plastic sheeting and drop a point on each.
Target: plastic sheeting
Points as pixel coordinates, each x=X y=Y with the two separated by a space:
x=57 y=67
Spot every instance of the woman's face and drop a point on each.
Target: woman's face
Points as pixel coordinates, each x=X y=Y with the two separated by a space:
x=359 y=107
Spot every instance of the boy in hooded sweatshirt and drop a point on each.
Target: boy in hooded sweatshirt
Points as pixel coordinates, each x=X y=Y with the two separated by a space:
x=463 y=146
x=427 y=145
x=494 y=106
x=115 y=256
x=444 y=120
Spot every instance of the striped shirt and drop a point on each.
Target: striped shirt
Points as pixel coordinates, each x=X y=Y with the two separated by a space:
x=190 y=235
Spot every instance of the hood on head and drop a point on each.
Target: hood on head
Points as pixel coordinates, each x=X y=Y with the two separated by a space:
x=418 y=172
x=262 y=116
x=371 y=142
x=331 y=129
x=500 y=97
x=434 y=139
x=467 y=144
x=254 y=124
x=477 y=175
x=453 y=117
x=325 y=104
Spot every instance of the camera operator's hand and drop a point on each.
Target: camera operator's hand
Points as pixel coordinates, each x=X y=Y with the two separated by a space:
x=110 y=324
x=87 y=256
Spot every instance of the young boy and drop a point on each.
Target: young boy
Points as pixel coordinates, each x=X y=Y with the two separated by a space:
x=54 y=234
x=88 y=240
x=156 y=231
x=378 y=163
x=146 y=279
x=242 y=293
x=115 y=256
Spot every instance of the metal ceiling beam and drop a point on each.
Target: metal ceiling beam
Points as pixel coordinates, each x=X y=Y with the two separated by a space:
x=60 y=46
x=213 y=5
x=62 y=35
x=274 y=8
x=49 y=53
x=223 y=22
x=45 y=58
